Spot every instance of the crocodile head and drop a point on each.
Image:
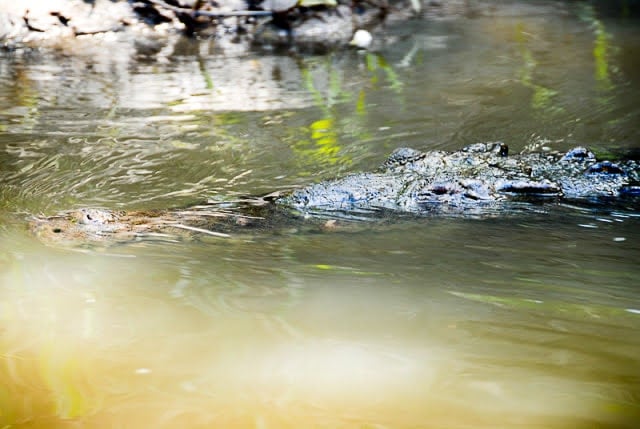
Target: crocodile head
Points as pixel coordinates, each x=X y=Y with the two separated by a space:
x=81 y=226
x=476 y=176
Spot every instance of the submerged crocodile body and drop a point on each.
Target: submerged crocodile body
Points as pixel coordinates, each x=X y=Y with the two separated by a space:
x=479 y=178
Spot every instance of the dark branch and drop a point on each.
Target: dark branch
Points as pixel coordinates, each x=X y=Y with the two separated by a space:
x=197 y=13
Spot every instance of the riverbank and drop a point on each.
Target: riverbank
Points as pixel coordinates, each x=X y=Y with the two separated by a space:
x=270 y=24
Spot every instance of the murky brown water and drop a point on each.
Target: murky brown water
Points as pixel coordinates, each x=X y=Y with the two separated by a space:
x=530 y=320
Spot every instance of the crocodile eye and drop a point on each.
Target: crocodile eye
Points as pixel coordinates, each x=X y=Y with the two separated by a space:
x=302 y=200
x=89 y=217
x=605 y=168
x=579 y=154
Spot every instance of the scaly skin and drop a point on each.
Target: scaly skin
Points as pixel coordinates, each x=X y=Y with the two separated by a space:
x=93 y=225
x=478 y=179
x=480 y=175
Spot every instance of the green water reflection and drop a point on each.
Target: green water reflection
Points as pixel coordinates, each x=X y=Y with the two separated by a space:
x=602 y=48
x=542 y=97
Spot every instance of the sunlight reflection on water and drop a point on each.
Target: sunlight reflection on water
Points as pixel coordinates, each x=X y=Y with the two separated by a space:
x=108 y=337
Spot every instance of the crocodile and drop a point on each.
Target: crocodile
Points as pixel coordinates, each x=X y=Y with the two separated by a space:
x=479 y=175
x=480 y=178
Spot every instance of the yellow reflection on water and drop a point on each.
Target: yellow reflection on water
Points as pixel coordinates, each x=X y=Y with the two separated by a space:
x=602 y=47
x=102 y=340
x=542 y=97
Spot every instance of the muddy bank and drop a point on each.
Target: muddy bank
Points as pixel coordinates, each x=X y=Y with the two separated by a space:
x=303 y=24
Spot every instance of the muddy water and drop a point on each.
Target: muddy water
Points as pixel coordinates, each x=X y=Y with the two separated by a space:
x=527 y=320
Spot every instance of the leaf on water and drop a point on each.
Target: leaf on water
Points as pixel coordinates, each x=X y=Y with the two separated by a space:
x=323 y=267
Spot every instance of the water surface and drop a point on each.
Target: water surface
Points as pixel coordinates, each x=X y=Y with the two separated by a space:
x=523 y=320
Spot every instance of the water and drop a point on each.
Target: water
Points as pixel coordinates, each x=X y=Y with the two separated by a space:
x=528 y=320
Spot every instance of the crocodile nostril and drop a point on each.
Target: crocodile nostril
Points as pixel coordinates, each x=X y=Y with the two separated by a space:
x=57 y=230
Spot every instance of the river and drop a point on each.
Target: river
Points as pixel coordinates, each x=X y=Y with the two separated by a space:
x=526 y=320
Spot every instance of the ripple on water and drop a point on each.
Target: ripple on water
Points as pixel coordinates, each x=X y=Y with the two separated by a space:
x=444 y=322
